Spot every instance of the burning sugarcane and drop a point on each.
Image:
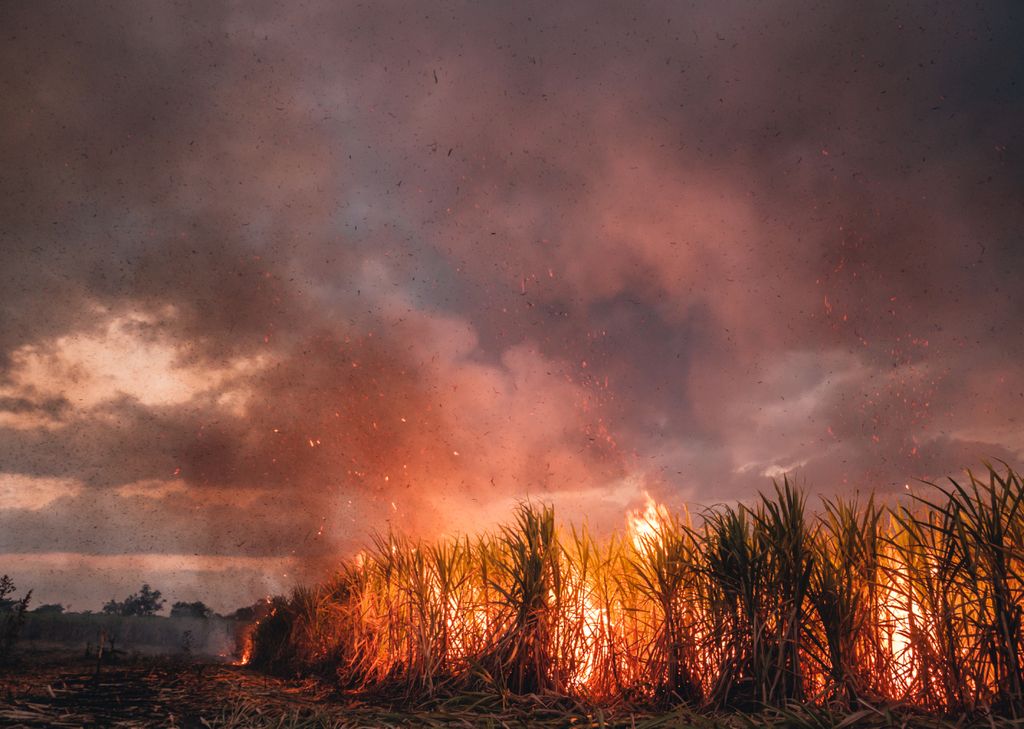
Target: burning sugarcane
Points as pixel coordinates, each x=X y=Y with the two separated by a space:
x=757 y=604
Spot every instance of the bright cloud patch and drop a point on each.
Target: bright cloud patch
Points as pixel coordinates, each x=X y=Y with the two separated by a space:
x=129 y=356
x=18 y=491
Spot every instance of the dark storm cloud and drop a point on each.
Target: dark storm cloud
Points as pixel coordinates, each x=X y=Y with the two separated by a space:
x=52 y=407
x=412 y=260
x=118 y=443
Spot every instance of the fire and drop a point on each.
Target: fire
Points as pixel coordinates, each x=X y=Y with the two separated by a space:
x=646 y=526
x=580 y=611
x=248 y=643
x=248 y=632
x=898 y=617
x=593 y=618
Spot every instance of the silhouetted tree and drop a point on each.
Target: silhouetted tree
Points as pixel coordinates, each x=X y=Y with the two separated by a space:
x=195 y=609
x=145 y=602
x=12 y=615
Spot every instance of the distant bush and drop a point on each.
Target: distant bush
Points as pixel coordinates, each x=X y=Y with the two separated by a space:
x=275 y=646
x=244 y=613
x=153 y=634
x=196 y=609
x=49 y=609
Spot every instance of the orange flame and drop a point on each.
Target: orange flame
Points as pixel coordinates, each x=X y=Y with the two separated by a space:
x=646 y=526
x=248 y=641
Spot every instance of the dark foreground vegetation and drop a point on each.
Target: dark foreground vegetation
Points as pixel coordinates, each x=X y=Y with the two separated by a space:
x=746 y=610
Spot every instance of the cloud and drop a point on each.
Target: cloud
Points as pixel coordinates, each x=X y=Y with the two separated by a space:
x=275 y=277
x=126 y=357
x=18 y=491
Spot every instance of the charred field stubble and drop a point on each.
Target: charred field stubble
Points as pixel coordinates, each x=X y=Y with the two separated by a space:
x=158 y=693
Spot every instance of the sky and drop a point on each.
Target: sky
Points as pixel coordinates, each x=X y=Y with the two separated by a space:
x=275 y=276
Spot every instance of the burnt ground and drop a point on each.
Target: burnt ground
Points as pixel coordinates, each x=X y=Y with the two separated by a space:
x=153 y=692
x=147 y=692
x=139 y=693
